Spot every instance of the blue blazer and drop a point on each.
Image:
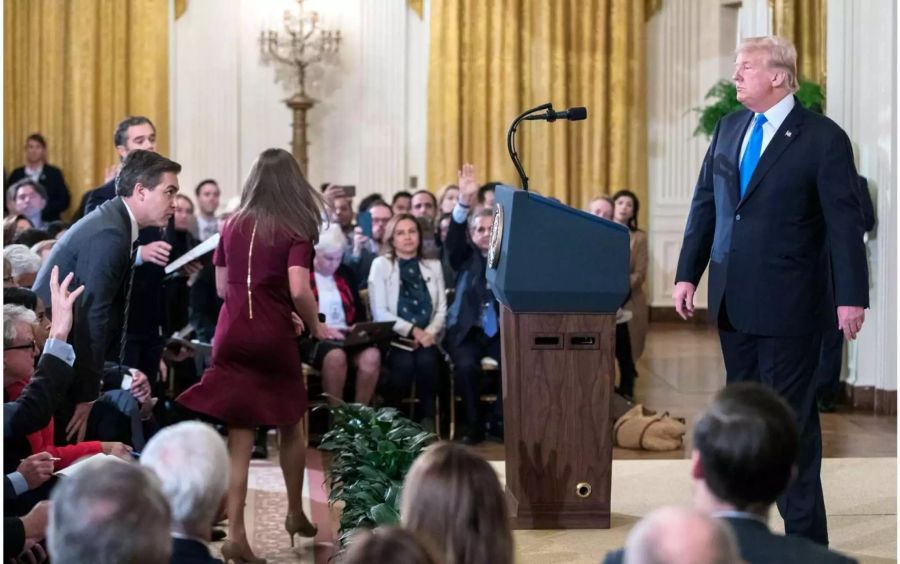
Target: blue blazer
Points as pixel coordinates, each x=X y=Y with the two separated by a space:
x=768 y=251
x=471 y=284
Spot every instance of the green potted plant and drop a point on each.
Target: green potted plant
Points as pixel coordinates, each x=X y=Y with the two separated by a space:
x=372 y=450
x=724 y=101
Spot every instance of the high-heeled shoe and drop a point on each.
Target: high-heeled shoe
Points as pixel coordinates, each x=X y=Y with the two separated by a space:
x=298 y=524
x=231 y=552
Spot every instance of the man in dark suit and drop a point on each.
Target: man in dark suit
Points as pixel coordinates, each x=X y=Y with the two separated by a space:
x=473 y=330
x=745 y=447
x=776 y=194
x=191 y=463
x=98 y=250
x=144 y=345
x=47 y=175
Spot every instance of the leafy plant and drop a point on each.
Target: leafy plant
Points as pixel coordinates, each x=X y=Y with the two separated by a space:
x=725 y=102
x=372 y=451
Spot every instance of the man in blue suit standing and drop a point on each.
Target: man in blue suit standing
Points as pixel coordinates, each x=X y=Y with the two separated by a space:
x=775 y=197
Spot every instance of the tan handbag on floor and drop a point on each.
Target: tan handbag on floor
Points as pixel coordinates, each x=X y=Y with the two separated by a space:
x=648 y=431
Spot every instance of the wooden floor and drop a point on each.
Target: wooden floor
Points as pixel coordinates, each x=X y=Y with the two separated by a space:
x=682 y=369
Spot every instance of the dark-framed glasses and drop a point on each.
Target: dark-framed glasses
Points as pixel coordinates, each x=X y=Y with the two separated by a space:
x=32 y=344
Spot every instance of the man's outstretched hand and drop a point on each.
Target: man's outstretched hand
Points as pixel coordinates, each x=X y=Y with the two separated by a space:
x=62 y=302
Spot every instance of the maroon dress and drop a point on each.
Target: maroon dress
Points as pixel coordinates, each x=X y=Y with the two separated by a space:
x=256 y=376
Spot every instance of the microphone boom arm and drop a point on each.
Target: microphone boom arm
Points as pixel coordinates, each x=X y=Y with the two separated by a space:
x=511 y=142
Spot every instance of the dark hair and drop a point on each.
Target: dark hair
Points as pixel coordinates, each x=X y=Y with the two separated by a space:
x=20 y=296
x=186 y=199
x=37 y=137
x=31 y=237
x=9 y=227
x=389 y=234
x=748 y=441
x=452 y=497
x=400 y=194
x=324 y=186
x=27 y=181
x=391 y=545
x=485 y=188
x=367 y=202
x=430 y=195
x=633 y=222
x=205 y=182
x=121 y=134
x=54 y=228
x=144 y=168
x=379 y=203
x=279 y=198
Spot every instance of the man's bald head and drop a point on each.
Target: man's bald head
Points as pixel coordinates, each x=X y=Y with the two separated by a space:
x=679 y=535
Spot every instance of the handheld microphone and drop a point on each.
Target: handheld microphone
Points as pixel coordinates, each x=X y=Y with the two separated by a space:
x=572 y=114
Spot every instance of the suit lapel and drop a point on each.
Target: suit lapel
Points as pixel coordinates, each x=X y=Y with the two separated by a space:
x=786 y=134
x=734 y=149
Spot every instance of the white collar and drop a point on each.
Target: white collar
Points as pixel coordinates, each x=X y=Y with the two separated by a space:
x=34 y=171
x=134 y=223
x=779 y=112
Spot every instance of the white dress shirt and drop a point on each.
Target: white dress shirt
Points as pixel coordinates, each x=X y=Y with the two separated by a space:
x=775 y=116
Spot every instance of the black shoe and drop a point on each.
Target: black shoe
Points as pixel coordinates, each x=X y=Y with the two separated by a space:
x=218 y=534
x=826 y=406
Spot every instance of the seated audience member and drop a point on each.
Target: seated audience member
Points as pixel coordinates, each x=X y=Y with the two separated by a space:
x=745 y=450
x=43 y=248
x=30 y=200
x=601 y=206
x=452 y=497
x=408 y=289
x=401 y=202
x=473 y=329
x=49 y=176
x=56 y=229
x=441 y=238
x=25 y=264
x=486 y=195
x=13 y=225
x=678 y=535
x=21 y=535
x=336 y=292
x=8 y=281
x=424 y=209
x=447 y=198
x=208 y=195
x=29 y=300
x=341 y=207
x=122 y=517
x=31 y=237
x=20 y=348
x=363 y=249
x=191 y=463
x=205 y=302
x=391 y=545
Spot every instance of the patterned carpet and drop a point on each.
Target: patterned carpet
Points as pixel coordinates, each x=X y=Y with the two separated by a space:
x=860 y=493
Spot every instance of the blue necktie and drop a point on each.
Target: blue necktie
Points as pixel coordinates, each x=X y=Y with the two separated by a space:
x=751 y=153
x=489 y=319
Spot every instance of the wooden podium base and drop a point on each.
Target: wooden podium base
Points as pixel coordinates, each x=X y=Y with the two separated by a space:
x=557 y=384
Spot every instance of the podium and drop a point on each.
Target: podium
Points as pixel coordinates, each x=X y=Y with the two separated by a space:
x=559 y=274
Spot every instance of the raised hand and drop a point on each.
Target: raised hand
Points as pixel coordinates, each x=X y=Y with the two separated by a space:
x=468 y=186
x=61 y=304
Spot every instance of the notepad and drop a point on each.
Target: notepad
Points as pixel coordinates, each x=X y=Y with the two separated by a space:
x=84 y=462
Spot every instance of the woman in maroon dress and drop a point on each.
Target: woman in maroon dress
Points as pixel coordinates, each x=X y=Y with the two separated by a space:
x=262 y=272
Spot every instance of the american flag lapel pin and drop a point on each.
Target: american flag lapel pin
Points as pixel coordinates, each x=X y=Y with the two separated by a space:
x=787 y=133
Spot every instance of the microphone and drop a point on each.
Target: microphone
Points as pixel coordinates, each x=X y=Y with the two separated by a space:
x=572 y=114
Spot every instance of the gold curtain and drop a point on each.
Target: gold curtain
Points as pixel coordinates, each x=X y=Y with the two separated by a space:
x=489 y=61
x=73 y=69
x=803 y=22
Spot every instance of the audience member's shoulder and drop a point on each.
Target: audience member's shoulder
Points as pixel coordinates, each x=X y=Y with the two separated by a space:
x=380 y=264
x=758 y=544
x=615 y=557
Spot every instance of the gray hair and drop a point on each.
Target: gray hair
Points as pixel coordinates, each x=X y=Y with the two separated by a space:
x=483 y=212
x=191 y=461
x=678 y=535
x=22 y=259
x=782 y=55
x=109 y=512
x=13 y=191
x=12 y=316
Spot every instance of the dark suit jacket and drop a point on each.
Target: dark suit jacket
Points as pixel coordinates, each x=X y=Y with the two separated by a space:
x=868 y=210
x=147 y=312
x=767 y=252
x=34 y=407
x=759 y=545
x=13 y=537
x=471 y=284
x=57 y=192
x=98 y=250
x=186 y=551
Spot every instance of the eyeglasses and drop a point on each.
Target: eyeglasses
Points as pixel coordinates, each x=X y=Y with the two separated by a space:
x=32 y=344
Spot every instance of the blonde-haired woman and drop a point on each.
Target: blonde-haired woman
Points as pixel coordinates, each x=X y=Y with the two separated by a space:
x=408 y=289
x=262 y=272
